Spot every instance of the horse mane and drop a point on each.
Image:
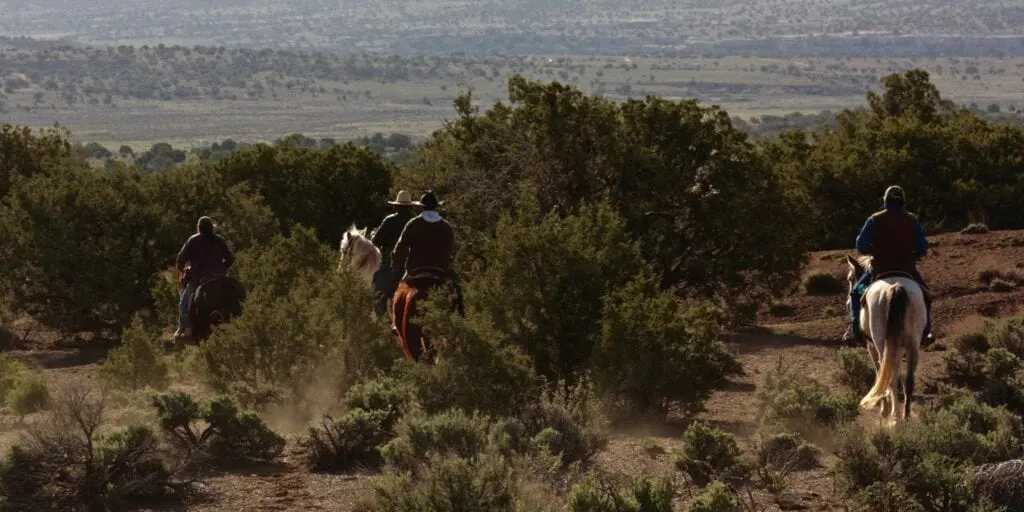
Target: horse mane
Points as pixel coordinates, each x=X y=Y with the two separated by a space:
x=864 y=262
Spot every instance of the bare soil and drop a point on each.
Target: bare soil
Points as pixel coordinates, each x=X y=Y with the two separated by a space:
x=808 y=339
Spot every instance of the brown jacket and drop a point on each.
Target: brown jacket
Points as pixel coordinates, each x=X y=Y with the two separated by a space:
x=424 y=244
x=894 y=239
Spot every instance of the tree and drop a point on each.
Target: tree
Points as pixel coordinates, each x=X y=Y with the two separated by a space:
x=690 y=187
x=339 y=186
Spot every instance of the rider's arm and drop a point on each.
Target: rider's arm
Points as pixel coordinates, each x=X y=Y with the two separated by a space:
x=864 y=238
x=922 y=242
x=184 y=255
x=401 y=251
x=381 y=232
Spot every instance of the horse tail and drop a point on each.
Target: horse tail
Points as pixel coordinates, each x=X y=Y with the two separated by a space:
x=898 y=302
x=400 y=312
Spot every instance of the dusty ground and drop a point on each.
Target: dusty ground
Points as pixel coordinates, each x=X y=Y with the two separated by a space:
x=807 y=339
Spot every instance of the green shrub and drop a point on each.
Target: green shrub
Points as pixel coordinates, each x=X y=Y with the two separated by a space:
x=709 y=453
x=823 y=283
x=567 y=423
x=543 y=285
x=781 y=455
x=217 y=431
x=29 y=394
x=475 y=371
x=11 y=370
x=885 y=497
x=987 y=363
x=352 y=441
x=67 y=464
x=787 y=451
x=137 y=363
x=303 y=323
x=384 y=394
x=374 y=408
x=1007 y=333
x=717 y=497
x=450 y=434
x=166 y=296
x=644 y=496
x=856 y=370
x=447 y=484
x=652 y=358
x=1000 y=280
x=928 y=458
x=796 y=401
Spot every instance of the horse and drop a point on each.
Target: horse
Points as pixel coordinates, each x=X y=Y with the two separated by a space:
x=412 y=289
x=216 y=300
x=362 y=255
x=893 y=319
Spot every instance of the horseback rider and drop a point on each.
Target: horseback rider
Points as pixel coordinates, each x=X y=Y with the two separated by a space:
x=427 y=243
x=385 y=280
x=208 y=255
x=895 y=240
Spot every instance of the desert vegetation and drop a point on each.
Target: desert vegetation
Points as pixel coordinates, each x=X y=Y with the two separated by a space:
x=618 y=264
x=190 y=96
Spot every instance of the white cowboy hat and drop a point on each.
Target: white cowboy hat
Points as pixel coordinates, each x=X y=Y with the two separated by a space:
x=404 y=198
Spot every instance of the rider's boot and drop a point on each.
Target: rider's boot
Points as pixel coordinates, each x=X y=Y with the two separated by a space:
x=929 y=336
x=853 y=336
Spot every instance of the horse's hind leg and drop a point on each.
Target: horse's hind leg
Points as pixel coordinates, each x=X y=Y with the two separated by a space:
x=908 y=383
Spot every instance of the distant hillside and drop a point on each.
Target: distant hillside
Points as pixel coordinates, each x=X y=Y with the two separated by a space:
x=760 y=27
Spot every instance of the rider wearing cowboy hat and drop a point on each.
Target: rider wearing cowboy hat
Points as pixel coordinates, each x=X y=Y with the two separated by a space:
x=384 y=237
x=895 y=240
x=426 y=243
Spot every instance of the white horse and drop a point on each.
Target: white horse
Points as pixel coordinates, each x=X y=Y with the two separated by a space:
x=893 y=319
x=359 y=251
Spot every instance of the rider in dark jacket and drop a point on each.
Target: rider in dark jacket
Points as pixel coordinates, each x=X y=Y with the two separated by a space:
x=895 y=240
x=428 y=244
x=208 y=255
x=385 y=280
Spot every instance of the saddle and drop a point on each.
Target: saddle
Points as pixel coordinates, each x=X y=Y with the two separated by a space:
x=426 y=277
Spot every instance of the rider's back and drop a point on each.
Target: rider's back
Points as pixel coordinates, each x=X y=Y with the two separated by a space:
x=426 y=245
x=894 y=247
x=207 y=253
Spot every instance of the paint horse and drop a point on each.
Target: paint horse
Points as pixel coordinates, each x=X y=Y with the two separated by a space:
x=893 y=320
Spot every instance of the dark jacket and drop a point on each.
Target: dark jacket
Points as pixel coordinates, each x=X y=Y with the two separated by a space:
x=424 y=244
x=386 y=235
x=895 y=240
x=208 y=254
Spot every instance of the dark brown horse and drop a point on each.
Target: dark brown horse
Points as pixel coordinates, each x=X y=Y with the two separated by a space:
x=411 y=290
x=217 y=300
